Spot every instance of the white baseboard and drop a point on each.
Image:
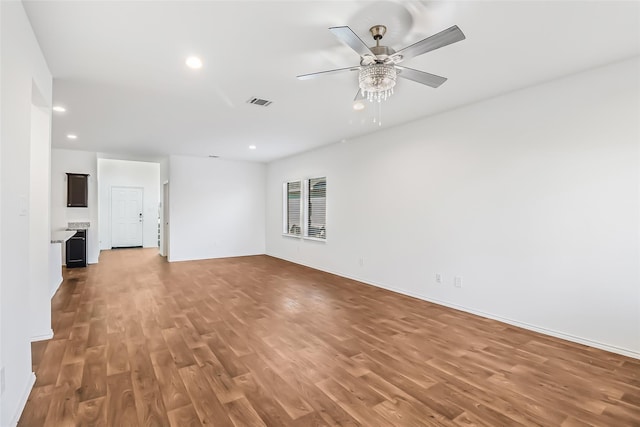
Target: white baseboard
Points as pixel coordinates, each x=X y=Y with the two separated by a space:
x=42 y=337
x=23 y=400
x=524 y=325
x=545 y=331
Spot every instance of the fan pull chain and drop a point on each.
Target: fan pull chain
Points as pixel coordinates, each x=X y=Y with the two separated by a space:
x=377 y=115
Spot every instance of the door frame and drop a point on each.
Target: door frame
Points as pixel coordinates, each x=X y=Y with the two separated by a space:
x=128 y=187
x=164 y=229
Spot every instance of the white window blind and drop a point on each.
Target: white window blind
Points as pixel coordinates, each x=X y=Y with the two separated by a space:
x=293 y=208
x=316 y=208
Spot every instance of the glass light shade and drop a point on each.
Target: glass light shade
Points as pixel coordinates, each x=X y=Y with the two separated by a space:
x=377 y=81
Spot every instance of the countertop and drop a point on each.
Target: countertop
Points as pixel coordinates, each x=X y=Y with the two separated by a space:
x=78 y=225
x=61 y=236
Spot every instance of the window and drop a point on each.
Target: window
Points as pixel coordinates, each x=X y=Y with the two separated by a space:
x=316 y=207
x=292 y=208
x=305 y=208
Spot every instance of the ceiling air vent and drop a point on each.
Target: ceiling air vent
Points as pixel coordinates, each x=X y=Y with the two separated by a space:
x=260 y=102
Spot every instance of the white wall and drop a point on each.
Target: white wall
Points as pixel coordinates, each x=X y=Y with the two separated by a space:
x=216 y=208
x=124 y=173
x=39 y=223
x=75 y=161
x=22 y=67
x=532 y=198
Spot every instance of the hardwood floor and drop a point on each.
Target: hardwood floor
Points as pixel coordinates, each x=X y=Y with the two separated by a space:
x=257 y=341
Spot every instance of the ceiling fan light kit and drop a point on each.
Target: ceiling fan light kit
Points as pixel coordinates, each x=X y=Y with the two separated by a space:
x=379 y=69
x=377 y=81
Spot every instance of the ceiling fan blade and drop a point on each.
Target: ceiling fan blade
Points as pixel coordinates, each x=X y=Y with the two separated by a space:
x=436 y=41
x=324 y=73
x=348 y=37
x=420 y=76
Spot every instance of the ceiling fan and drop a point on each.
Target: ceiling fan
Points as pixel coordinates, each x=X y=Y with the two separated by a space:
x=379 y=69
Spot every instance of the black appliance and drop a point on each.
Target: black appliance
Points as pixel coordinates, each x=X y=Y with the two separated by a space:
x=77 y=250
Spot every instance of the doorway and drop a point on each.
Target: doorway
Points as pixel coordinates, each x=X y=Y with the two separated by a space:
x=126 y=217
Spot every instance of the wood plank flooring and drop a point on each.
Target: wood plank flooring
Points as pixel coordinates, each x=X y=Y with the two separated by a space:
x=256 y=341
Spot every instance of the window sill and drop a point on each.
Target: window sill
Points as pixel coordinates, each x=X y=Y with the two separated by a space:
x=294 y=236
x=315 y=239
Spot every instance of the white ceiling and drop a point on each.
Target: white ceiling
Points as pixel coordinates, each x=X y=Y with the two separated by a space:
x=118 y=67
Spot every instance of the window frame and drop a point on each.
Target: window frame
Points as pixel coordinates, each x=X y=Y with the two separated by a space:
x=304 y=209
x=307 y=213
x=285 y=209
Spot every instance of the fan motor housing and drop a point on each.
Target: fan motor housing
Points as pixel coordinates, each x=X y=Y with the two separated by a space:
x=382 y=50
x=382 y=53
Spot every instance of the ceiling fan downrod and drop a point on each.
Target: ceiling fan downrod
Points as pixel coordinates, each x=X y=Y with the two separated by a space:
x=378 y=31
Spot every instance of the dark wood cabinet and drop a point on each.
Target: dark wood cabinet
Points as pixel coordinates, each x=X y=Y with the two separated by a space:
x=76 y=250
x=77 y=190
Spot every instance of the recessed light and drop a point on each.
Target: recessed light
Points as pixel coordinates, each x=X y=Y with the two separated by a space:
x=358 y=105
x=252 y=147
x=194 y=62
x=59 y=109
x=72 y=136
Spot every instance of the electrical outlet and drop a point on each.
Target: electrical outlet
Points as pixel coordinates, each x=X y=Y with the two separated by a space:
x=438 y=278
x=457 y=282
x=361 y=262
x=2 y=385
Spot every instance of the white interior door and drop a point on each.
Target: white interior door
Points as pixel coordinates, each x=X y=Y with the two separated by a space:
x=126 y=217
